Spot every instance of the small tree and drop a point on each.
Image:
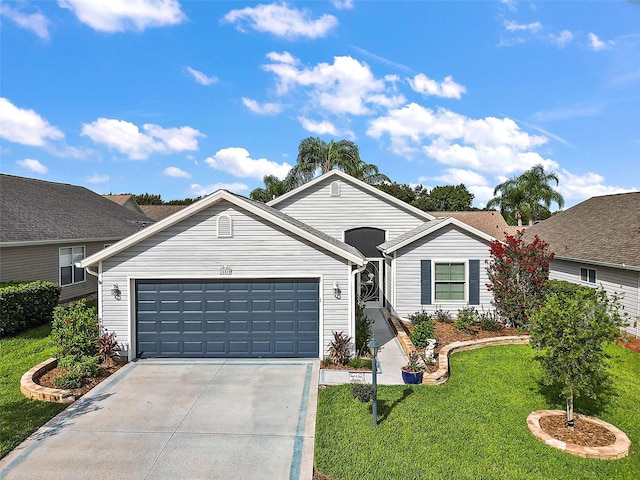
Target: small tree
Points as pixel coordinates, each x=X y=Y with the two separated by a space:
x=569 y=332
x=518 y=276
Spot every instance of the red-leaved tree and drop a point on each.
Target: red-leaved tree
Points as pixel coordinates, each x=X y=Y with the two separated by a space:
x=518 y=276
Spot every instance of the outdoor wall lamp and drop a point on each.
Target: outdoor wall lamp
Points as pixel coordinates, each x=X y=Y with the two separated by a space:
x=374 y=347
x=336 y=290
x=115 y=291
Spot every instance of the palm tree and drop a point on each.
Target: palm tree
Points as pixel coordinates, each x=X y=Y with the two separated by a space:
x=273 y=187
x=528 y=195
x=315 y=154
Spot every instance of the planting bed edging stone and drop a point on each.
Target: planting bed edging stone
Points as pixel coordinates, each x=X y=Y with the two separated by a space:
x=442 y=374
x=32 y=390
x=619 y=449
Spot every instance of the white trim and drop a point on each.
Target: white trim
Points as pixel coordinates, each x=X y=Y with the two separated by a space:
x=465 y=262
x=349 y=179
x=202 y=205
x=434 y=228
x=132 y=299
x=586 y=261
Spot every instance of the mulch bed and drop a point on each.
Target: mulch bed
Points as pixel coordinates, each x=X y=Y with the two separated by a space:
x=584 y=433
x=49 y=378
x=632 y=344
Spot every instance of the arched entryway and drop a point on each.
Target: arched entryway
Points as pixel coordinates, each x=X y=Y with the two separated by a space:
x=369 y=285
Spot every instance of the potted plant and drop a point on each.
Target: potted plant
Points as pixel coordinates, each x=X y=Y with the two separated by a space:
x=412 y=372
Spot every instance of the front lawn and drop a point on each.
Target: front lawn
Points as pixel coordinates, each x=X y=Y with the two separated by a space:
x=472 y=427
x=19 y=417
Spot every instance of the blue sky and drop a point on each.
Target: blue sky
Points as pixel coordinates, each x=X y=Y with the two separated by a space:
x=183 y=98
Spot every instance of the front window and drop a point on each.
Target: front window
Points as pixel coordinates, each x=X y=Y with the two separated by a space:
x=450 y=281
x=69 y=273
x=588 y=275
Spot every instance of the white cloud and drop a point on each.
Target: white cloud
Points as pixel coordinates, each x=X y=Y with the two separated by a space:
x=345 y=86
x=176 y=172
x=596 y=44
x=35 y=22
x=578 y=187
x=343 y=4
x=513 y=26
x=282 y=21
x=200 y=190
x=264 y=108
x=120 y=15
x=25 y=126
x=236 y=161
x=512 y=5
x=323 y=127
x=127 y=138
x=33 y=165
x=456 y=176
x=487 y=145
x=447 y=89
x=562 y=39
x=97 y=178
x=202 y=78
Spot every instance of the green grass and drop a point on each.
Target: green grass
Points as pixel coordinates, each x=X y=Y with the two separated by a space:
x=19 y=417
x=472 y=427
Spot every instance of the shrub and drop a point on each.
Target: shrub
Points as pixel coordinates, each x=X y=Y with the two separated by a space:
x=83 y=366
x=419 y=317
x=363 y=392
x=489 y=321
x=518 y=276
x=567 y=288
x=108 y=348
x=422 y=333
x=75 y=330
x=26 y=304
x=363 y=332
x=339 y=349
x=359 y=362
x=68 y=381
x=465 y=319
x=442 y=316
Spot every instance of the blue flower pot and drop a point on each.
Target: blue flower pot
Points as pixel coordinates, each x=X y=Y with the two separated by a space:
x=412 y=378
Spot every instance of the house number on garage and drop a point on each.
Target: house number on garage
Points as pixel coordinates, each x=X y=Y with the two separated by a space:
x=224 y=270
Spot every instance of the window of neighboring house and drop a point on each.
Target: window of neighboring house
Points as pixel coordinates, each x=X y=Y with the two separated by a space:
x=449 y=281
x=588 y=275
x=69 y=273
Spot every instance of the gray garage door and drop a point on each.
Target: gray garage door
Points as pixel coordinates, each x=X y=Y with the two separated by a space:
x=260 y=318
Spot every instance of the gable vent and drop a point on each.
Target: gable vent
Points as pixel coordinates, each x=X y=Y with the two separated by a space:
x=334 y=189
x=225 y=226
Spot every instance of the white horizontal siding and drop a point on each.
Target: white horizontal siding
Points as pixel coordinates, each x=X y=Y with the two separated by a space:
x=354 y=208
x=191 y=250
x=613 y=280
x=446 y=244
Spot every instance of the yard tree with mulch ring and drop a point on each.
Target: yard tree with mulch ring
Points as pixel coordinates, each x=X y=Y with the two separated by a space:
x=519 y=276
x=569 y=334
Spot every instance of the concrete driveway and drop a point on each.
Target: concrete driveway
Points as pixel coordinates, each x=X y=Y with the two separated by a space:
x=182 y=419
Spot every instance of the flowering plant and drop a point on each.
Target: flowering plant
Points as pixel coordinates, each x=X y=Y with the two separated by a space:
x=414 y=364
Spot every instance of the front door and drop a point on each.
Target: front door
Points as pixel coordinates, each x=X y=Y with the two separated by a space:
x=370 y=284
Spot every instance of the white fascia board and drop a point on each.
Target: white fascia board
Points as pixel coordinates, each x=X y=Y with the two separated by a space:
x=348 y=178
x=199 y=206
x=437 y=226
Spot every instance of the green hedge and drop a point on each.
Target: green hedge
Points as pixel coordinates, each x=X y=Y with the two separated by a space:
x=568 y=288
x=26 y=304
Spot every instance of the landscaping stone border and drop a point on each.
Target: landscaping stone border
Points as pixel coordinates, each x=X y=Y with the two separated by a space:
x=619 y=449
x=32 y=390
x=442 y=374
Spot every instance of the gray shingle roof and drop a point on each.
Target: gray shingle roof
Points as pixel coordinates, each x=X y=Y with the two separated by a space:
x=602 y=229
x=158 y=212
x=37 y=210
x=430 y=225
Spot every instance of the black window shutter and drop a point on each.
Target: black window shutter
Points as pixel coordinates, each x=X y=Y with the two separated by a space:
x=474 y=282
x=425 y=282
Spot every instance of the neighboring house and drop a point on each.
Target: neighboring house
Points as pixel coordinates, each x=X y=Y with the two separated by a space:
x=45 y=227
x=490 y=222
x=160 y=212
x=231 y=277
x=597 y=242
x=127 y=201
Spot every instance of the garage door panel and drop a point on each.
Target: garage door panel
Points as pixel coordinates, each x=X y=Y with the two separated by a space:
x=265 y=318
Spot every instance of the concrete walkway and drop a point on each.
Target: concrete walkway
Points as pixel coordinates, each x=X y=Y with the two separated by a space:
x=181 y=419
x=391 y=357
